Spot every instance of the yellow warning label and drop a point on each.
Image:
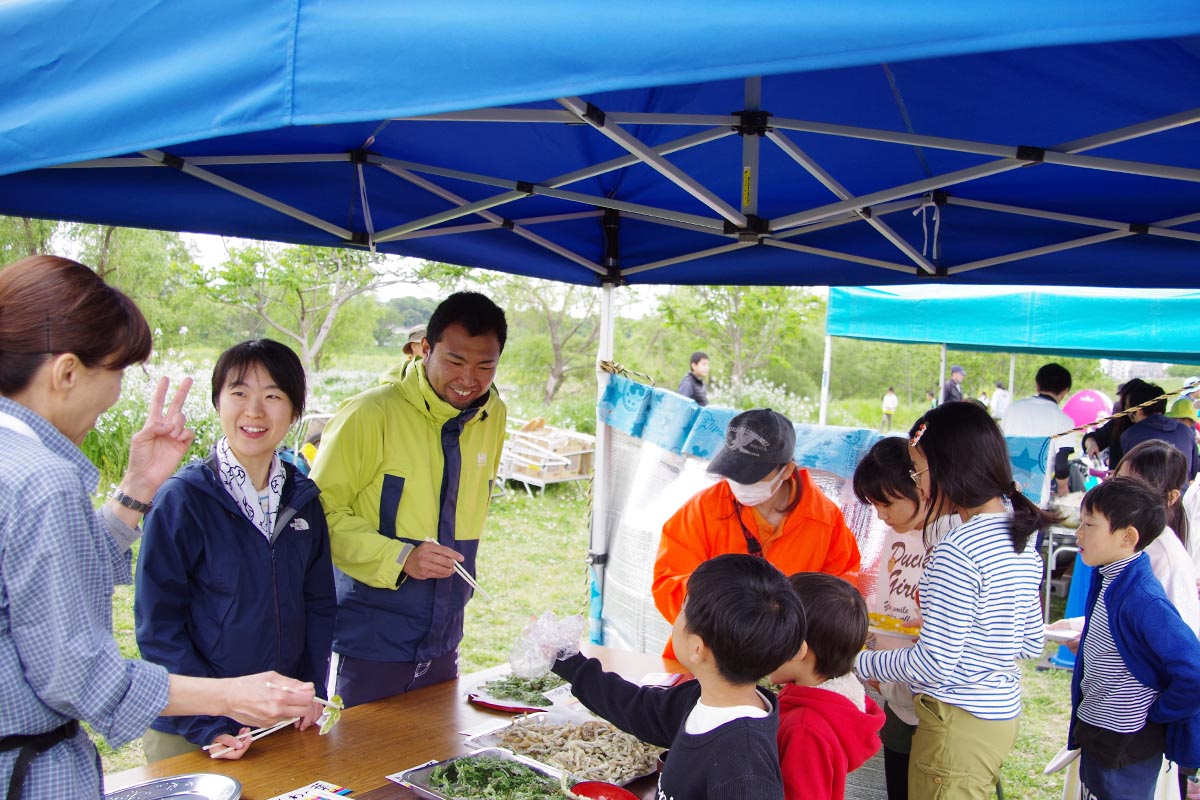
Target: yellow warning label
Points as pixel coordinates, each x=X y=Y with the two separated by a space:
x=747 y=179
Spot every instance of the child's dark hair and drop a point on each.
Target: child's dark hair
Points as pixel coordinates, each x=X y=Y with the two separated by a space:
x=1161 y=465
x=280 y=362
x=1128 y=501
x=883 y=474
x=837 y=620
x=747 y=614
x=968 y=466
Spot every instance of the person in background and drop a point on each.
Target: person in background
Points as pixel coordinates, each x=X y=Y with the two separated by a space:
x=766 y=505
x=1151 y=423
x=883 y=480
x=741 y=621
x=66 y=339
x=1135 y=689
x=235 y=576
x=692 y=385
x=406 y=471
x=890 y=403
x=980 y=606
x=999 y=402
x=828 y=727
x=1040 y=415
x=1108 y=436
x=952 y=389
x=931 y=399
x=412 y=347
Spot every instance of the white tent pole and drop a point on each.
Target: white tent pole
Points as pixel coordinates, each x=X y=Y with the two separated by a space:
x=602 y=471
x=618 y=135
x=750 y=148
x=941 y=378
x=1012 y=374
x=826 y=364
x=832 y=184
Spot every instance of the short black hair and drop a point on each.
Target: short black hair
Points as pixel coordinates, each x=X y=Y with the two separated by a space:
x=1053 y=378
x=837 y=620
x=280 y=362
x=474 y=311
x=883 y=474
x=1128 y=501
x=697 y=357
x=747 y=614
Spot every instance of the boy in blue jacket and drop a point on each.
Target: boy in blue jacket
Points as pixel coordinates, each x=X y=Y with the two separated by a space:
x=740 y=621
x=1135 y=691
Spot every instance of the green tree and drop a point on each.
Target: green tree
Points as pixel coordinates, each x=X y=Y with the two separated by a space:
x=24 y=236
x=553 y=327
x=745 y=323
x=299 y=292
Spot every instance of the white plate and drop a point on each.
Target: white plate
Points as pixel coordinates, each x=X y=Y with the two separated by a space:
x=200 y=786
x=1060 y=635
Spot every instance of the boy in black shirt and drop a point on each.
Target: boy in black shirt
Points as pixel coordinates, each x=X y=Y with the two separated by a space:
x=741 y=620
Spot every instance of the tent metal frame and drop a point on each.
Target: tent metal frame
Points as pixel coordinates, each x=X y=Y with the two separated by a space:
x=732 y=227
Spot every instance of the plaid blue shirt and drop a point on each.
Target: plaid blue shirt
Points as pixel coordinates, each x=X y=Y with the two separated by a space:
x=58 y=658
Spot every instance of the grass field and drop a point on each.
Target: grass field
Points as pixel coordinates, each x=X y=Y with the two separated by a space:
x=532 y=560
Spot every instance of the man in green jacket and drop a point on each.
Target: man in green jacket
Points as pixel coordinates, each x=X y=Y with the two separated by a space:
x=406 y=471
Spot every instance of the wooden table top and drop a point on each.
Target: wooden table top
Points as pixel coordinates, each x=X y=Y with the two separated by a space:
x=370 y=741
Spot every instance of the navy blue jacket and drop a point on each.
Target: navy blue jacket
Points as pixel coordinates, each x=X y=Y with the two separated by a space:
x=736 y=760
x=216 y=600
x=1169 y=430
x=1158 y=648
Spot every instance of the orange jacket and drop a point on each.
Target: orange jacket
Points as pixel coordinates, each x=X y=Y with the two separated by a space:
x=812 y=538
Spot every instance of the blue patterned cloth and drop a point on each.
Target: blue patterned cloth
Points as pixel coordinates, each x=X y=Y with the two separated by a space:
x=58 y=658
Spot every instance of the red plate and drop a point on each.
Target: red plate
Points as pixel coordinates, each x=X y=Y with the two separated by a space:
x=599 y=790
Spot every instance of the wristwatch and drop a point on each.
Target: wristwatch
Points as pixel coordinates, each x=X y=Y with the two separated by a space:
x=129 y=502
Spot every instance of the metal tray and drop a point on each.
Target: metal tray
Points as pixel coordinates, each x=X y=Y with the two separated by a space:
x=417 y=778
x=491 y=740
x=200 y=786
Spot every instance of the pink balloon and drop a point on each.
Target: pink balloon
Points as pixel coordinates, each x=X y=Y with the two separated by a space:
x=1087 y=405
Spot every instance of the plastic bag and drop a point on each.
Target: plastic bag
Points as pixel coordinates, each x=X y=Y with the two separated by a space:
x=545 y=640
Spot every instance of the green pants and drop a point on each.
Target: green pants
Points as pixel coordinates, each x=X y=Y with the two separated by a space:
x=158 y=745
x=956 y=754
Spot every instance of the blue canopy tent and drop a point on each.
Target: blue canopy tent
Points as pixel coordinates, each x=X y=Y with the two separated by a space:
x=1150 y=325
x=675 y=142
x=786 y=142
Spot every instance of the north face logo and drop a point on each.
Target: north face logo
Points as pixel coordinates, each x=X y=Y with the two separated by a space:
x=300 y=524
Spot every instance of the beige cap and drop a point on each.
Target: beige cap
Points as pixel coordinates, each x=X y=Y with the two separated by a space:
x=415 y=335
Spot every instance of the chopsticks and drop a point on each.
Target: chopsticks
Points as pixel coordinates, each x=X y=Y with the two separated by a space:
x=254 y=736
x=316 y=700
x=466 y=576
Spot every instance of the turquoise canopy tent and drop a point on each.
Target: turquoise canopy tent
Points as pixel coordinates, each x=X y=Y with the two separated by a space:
x=1136 y=326
x=1130 y=325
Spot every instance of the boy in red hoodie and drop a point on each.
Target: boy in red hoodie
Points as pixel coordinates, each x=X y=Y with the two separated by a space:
x=827 y=725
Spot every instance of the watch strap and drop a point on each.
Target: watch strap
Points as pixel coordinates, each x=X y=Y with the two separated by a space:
x=129 y=502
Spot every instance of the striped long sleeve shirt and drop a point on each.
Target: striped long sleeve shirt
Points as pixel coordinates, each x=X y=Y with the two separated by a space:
x=981 y=612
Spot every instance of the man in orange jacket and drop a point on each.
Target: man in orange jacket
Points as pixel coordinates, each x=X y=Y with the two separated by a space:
x=766 y=506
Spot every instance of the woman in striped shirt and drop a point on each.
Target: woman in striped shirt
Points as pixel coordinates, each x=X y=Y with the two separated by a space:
x=979 y=603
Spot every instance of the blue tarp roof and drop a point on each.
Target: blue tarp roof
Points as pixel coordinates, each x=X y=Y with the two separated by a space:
x=294 y=121
x=1145 y=326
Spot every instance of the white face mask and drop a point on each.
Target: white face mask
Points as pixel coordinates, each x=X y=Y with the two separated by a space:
x=753 y=494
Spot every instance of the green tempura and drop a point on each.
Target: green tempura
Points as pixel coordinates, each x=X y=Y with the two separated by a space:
x=527 y=691
x=490 y=778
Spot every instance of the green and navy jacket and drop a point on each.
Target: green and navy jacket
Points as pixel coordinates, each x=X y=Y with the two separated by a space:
x=399 y=465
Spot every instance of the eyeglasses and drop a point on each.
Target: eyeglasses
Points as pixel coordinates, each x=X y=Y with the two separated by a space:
x=915 y=474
